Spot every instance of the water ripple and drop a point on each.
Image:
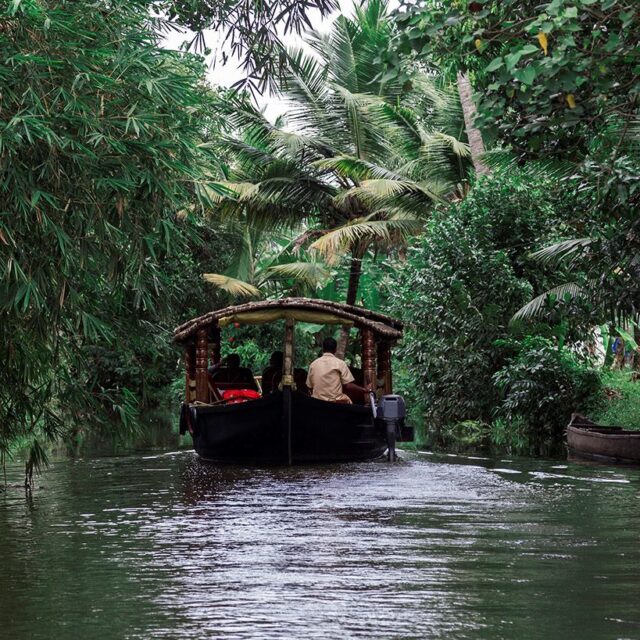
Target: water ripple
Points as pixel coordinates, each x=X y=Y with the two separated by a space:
x=164 y=546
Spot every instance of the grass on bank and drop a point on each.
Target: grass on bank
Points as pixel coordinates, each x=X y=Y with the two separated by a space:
x=616 y=403
x=619 y=403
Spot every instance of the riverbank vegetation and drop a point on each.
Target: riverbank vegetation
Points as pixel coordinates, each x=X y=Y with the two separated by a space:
x=472 y=169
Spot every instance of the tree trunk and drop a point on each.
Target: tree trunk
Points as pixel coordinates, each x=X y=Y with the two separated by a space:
x=618 y=360
x=636 y=353
x=476 y=145
x=355 y=271
x=608 y=352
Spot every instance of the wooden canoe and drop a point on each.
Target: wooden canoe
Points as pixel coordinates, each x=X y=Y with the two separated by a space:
x=587 y=439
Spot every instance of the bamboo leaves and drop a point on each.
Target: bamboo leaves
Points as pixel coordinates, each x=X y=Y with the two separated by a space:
x=101 y=144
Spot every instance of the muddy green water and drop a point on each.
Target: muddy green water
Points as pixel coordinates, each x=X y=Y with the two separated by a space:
x=163 y=546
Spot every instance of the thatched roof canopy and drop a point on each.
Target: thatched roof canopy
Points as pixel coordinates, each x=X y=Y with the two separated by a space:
x=300 y=309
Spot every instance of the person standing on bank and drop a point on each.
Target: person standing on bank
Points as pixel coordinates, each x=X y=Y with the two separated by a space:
x=328 y=375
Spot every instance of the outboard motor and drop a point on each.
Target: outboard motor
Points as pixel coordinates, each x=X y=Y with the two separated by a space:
x=392 y=412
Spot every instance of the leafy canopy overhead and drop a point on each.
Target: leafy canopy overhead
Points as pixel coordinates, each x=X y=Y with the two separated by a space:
x=252 y=30
x=547 y=74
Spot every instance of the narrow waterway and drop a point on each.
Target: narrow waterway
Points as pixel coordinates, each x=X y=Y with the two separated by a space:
x=164 y=546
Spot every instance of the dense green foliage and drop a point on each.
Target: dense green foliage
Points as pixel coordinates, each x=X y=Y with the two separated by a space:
x=549 y=74
x=540 y=387
x=458 y=292
x=125 y=177
x=556 y=93
x=619 y=402
x=101 y=138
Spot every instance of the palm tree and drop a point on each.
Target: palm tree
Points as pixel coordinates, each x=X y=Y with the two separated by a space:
x=370 y=137
x=359 y=158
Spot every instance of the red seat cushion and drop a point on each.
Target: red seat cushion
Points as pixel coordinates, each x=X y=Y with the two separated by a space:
x=235 y=396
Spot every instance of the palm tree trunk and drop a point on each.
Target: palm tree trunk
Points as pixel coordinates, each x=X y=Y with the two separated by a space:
x=355 y=272
x=476 y=145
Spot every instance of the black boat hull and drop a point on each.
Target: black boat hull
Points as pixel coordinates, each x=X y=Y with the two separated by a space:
x=257 y=431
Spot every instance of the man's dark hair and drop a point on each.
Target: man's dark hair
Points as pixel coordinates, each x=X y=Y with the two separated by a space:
x=329 y=345
x=276 y=359
x=233 y=361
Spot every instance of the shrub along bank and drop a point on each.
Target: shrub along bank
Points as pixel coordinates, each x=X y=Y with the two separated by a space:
x=472 y=375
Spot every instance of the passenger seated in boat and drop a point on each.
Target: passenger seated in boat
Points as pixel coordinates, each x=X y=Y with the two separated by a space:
x=328 y=375
x=299 y=380
x=274 y=368
x=230 y=375
x=358 y=374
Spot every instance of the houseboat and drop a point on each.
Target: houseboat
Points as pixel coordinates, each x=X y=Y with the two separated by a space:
x=231 y=420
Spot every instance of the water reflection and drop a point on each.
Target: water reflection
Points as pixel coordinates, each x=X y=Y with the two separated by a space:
x=165 y=546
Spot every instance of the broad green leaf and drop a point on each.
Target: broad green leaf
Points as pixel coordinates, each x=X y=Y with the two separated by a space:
x=526 y=75
x=512 y=59
x=495 y=64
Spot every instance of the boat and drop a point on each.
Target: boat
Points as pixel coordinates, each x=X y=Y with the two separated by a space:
x=587 y=439
x=230 y=423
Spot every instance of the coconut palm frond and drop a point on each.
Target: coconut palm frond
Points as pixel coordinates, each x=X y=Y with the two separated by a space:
x=561 y=250
x=335 y=243
x=220 y=191
x=342 y=58
x=447 y=142
x=306 y=87
x=294 y=143
x=355 y=168
x=312 y=273
x=244 y=152
x=233 y=286
x=440 y=173
x=403 y=123
x=381 y=189
x=295 y=192
x=356 y=105
x=535 y=307
x=243 y=115
x=434 y=95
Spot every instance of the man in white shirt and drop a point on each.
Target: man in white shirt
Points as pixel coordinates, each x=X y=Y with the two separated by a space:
x=328 y=374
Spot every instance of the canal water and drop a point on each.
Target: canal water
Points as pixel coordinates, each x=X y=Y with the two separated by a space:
x=164 y=546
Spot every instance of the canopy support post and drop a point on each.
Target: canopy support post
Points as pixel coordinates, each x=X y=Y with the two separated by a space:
x=215 y=344
x=287 y=384
x=202 y=353
x=190 y=372
x=384 y=367
x=287 y=369
x=369 y=359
